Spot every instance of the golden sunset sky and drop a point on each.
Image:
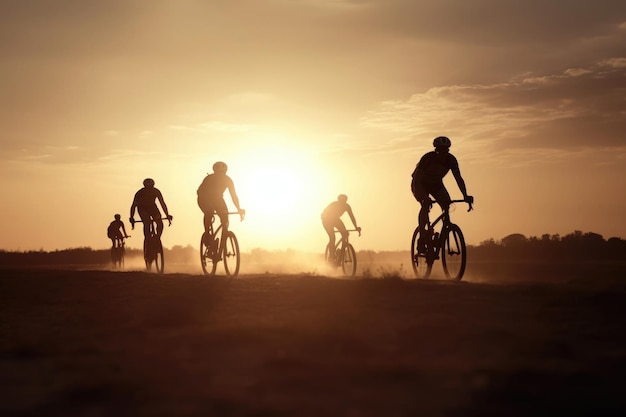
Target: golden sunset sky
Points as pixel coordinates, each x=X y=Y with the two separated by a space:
x=306 y=99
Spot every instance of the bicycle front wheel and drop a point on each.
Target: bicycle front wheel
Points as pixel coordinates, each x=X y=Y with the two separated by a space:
x=148 y=256
x=119 y=257
x=454 y=255
x=114 y=257
x=231 y=255
x=159 y=260
x=209 y=264
x=153 y=254
x=348 y=261
x=422 y=265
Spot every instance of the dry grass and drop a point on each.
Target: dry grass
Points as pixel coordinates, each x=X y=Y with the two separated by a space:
x=100 y=343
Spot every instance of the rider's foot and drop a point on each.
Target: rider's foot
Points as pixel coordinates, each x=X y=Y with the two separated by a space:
x=421 y=246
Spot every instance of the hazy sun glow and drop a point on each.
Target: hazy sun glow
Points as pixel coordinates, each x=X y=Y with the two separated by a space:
x=281 y=191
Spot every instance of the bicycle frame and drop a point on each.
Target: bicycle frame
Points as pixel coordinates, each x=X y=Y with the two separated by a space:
x=215 y=233
x=444 y=218
x=217 y=246
x=448 y=243
x=343 y=254
x=117 y=251
x=153 y=248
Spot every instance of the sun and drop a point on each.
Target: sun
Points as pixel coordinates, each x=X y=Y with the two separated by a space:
x=280 y=191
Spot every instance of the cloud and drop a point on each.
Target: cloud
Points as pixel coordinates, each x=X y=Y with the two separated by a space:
x=575 y=99
x=495 y=22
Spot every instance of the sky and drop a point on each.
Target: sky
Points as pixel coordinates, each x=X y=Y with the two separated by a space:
x=304 y=100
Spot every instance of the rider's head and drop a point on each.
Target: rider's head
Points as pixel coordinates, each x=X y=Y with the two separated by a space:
x=148 y=182
x=342 y=197
x=442 y=144
x=117 y=217
x=220 y=167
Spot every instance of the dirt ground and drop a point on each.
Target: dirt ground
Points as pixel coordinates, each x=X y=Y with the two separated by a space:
x=106 y=343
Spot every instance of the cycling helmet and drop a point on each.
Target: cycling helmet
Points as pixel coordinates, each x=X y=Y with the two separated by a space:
x=220 y=167
x=342 y=197
x=148 y=182
x=117 y=217
x=442 y=142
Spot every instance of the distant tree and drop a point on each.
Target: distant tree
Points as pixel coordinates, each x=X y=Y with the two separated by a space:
x=514 y=240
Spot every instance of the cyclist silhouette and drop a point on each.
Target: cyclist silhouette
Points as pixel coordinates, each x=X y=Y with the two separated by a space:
x=114 y=232
x=428 y=180
x=331 y=219
x=211 y=198
x=145 y=203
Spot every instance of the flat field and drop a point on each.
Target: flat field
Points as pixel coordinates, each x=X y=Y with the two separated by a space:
x=106 y=343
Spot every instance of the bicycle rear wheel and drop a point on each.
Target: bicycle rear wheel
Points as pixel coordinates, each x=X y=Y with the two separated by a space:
x=209 y=265
x=348 y=260
x=454 y=255
x=231 y=255
x=422 y=266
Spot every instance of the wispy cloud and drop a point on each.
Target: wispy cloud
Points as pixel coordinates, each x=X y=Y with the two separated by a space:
x=576 y=108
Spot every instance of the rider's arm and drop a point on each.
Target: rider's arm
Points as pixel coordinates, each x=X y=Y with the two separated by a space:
x=459 y=180
x=349 y=210
x=132 y=210
x=234 y=197
x=162 y=202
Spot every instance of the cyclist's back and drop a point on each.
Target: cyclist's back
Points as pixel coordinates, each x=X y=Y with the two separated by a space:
x=213 y=187
x=335 y=210
x=433 y=167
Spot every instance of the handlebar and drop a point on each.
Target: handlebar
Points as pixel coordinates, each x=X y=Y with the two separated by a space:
x=133 y=221
x=242 y=214
x=469 y=201
x=350 y=230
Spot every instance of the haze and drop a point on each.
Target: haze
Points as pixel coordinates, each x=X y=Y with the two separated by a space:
x=305 y=100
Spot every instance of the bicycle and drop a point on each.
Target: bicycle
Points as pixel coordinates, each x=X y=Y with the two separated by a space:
x=343 y=254
x=118 y=252
x=211 y=253
x=447 y=242
x=153 y=247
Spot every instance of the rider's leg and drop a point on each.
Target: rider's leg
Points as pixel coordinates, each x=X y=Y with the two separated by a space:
x=159 y=225
x=222 y=212
x=442 y=197
x=422 y=196
x=330 y=230
x=146 y=217
x=342 y=230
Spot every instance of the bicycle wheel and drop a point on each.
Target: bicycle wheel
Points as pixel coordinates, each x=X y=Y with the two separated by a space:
x=114 y=256
x=422 y=265
x=209 y=265
x=348 y=260
x=122 y=255
x=148 y=257
x=454 y=255
x=117 y=256
x=231 y=255
x=159 y=259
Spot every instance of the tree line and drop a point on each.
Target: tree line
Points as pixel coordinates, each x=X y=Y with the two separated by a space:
x=575 y=246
